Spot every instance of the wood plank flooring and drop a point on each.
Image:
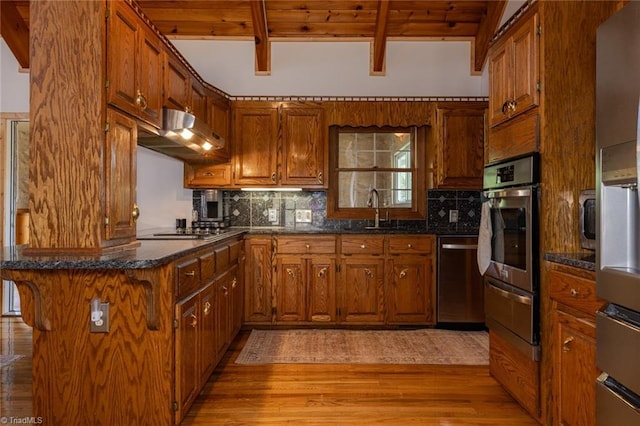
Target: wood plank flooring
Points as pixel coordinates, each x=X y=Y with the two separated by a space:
x=310 y=394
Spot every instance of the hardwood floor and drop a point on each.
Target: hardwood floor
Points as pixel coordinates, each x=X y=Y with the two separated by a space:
x=311 y=394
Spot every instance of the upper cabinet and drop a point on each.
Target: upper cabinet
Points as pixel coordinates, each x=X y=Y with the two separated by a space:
x=177 y=85
x=514 y=73
x=460 y=147
x=135 y=56
x=280 y=144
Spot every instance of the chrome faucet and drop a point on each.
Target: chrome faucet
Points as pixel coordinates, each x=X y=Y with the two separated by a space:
x=376 y=205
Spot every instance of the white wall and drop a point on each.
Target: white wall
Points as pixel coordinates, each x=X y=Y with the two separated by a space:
x=337 y=68
x=161 y=197
x=14 y=85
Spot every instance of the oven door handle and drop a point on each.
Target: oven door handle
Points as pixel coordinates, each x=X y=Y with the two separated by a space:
x=524 y=191
x=512 y=296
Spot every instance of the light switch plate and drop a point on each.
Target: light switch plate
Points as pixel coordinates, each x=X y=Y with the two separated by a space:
x=303 y=216
x=273 y=215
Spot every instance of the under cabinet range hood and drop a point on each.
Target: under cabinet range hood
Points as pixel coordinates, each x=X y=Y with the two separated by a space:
x=183 y=135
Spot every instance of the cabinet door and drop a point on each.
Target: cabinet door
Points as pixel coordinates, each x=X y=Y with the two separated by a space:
x=499 y=83
x=461 y=149
x=187 y=354
x=120 y=176
x=198 y=101
x=257 y=285
x=524 y=74
x=290 y=289
x=321 y=289
x=219 y=112
x=222 y=315
x=361 y=290
x=177 y=85
x=410 y=295
x=208 y=323
x=304 y=148
x=255 y=146
x=576 y=370
x=207 y=175
x=122 y=47
x=149 y=77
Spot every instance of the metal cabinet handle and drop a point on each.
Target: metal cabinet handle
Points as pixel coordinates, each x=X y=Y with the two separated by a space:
x=273 y=177
x=409 y=245
x=403 y=273
x=574 y=292
x=207 y=308
x=234 y=283
x=290 y=272
x=368 y=272
x=566 y=344
x=320 y=177
x=208 y=174
x=505 y=107
x=322 y=272
x=194 y=320
x=460 y=246
x=190 y=274
x=136 y=212
x=307 y=246
x=141 y=101
x=363 y=246
x=225 y=290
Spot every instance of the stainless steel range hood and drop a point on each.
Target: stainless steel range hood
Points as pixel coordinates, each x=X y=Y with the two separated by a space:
x=183 y=135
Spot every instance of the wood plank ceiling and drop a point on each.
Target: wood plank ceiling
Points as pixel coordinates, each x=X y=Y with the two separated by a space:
x=264 y=21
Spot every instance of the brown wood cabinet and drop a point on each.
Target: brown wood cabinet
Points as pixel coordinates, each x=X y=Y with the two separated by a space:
x=258 y=302
x=208 y=287
x=177 y=85
x=460 y=147
x=410 y=287
x=514 y=72
x=121 y=210
x=135 y=57
x=280 y=144
x=305 y=279
x=207 y=175
x=574 y=348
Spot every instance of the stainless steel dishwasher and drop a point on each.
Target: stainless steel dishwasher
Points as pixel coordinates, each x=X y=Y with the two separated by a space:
x=460 y=289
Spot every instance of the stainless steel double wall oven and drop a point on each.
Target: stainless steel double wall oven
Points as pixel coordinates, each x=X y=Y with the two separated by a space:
x=511 y=281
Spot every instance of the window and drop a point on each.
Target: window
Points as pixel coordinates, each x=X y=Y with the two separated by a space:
x=384 y=159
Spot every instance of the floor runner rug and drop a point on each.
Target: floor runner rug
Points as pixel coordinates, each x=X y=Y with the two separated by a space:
x=423 y=346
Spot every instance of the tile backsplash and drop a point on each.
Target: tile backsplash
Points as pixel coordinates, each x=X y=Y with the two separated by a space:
x=252 y=208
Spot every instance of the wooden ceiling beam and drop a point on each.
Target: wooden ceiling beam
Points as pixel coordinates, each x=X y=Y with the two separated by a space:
x=380 y=39
x=488 y=26
x=15 y=32
x=261 y=36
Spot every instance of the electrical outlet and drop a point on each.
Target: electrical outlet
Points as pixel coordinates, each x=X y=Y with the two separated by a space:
x=303 y=216
x=99 y=317
x=273 y=215
x=453 y=216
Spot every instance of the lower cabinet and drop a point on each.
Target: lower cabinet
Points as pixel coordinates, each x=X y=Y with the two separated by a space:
x=574 y=305
x=340 y=279
x=208 y=316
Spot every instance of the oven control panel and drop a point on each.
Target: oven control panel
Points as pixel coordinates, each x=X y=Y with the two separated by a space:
x=515 y=172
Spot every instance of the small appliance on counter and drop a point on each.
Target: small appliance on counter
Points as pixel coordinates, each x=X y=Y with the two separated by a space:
x=209 y=205
x=588 y=219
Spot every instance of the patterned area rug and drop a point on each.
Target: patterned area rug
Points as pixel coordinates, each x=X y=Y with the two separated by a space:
x=424 y=346
x=8 y=359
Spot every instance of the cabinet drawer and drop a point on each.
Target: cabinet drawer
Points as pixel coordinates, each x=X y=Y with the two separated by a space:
x=207 y=267
x=207 y=176
x=410 y=245
x=235 y=249
x=306 y=245
x=188 y=276
x=222 y=258
x=576 y=292
x=362 y=245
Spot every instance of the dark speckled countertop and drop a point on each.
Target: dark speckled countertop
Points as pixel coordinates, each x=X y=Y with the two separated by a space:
x=153 y=252
x=583 y=260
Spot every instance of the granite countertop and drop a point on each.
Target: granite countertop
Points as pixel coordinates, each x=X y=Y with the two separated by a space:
x=149 y=254
x=583 y=260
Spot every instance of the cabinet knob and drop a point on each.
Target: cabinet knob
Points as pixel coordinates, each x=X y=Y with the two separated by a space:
x=135 y=213
x=410 y=245
x=505 y=107
x=290 y=272
x=273 y=177
x=574 y=292
x=368 y=272
x=363 y=246
x=194 y=321
x=566 y=344
x=234 y=283
x=320 y=177
x=225 y=290
x=307 y=246
x=141 y=101
x=207 y=308
x=403 y=273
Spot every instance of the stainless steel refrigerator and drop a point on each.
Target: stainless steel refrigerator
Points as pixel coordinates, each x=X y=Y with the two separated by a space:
x=618 y=218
